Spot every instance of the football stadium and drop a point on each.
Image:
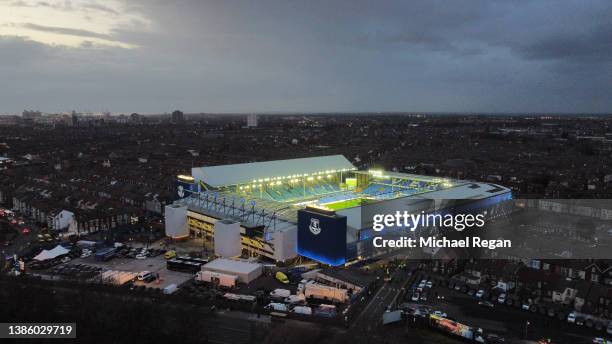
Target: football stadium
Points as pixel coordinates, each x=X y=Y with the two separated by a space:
x=318 y=208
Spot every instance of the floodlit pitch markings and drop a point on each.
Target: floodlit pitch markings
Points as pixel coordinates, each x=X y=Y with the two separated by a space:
x=350 y=203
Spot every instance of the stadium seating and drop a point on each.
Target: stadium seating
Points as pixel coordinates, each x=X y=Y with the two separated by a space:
x=331 y=192
x=289 y=192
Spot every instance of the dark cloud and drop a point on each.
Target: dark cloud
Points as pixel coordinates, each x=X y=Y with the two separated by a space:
x=592 y=46
x=358 y=55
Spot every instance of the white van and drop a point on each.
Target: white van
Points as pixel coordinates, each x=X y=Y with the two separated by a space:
x=302 y=310
x=170 y=289
x=143 y=274
x=277 y=307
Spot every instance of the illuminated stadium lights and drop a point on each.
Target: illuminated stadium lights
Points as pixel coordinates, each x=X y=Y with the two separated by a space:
x=376 y=173
x=185 y=177
x=294 y=178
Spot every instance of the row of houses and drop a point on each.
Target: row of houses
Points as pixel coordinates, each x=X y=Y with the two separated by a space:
x=583 y=285
x=73 y=212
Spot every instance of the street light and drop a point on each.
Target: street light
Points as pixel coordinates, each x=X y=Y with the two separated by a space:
x=526 y=326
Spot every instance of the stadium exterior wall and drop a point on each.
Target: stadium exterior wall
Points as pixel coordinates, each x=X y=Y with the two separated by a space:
x=176 y=221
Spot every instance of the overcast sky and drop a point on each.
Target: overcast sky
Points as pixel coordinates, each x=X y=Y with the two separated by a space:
x=152 y=56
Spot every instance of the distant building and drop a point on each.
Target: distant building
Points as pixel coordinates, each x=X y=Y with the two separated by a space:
x=8 y=120
x=252 y=121
x=31 y=114
x=135 y=118
x=178 y=116
x=75 y=119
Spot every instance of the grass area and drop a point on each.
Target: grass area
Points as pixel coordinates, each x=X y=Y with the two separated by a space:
x=344 y=204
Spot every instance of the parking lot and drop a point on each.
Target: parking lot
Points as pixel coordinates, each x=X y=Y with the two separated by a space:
x=83 y=265
x=156 y=265
x=486 y=312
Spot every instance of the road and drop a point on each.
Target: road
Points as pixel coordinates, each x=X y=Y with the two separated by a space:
x=370 y=318
x=508 y=321
x=20 y=242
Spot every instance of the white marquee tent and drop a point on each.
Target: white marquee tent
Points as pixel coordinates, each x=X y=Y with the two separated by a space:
x=50 y=254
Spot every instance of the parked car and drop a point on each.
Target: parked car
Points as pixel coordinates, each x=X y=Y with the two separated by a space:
x=486 y=304
x=571 y=318
x=405 y=307
x=170 y=254
x=440 y=314
x=149 y=278
x=579 y=321
x=415 y=297
x=429 y=284
x=501 y=298
x=480 y=293
x=281 y=277
x=479 y=335
x=525 y=306
x=141 y=256
x=493 y=338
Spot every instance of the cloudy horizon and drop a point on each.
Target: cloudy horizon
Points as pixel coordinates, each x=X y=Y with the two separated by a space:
x=306 y=56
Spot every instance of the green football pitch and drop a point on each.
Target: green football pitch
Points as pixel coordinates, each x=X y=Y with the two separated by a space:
x=344 y=204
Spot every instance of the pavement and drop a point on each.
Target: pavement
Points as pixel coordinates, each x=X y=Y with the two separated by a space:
x=152 y=264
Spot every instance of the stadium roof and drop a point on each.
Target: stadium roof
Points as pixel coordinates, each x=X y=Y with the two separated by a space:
x=216 y=176
x=231 y=266
x=466 y=191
